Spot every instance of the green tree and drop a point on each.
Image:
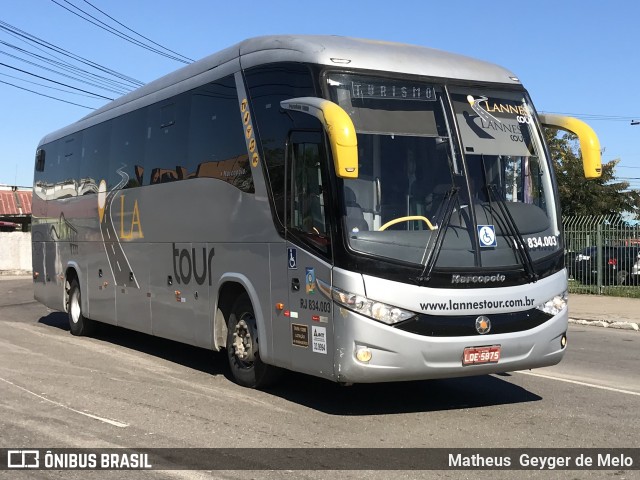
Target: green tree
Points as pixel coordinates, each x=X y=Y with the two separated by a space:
x=603 y=196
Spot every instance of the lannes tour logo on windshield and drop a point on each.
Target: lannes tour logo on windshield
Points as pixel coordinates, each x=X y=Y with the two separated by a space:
x=485 y=109
x=393 y=91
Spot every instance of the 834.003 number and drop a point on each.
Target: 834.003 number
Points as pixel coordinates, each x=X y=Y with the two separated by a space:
x=541 y=242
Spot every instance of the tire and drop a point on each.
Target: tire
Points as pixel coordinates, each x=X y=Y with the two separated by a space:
x=79 y=325
x=243 y=353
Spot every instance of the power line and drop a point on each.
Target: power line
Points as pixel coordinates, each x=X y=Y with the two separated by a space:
x=47 y=86
x=48 y=96
x=79 y=73
x=54 y=81
x=98 y=23
x=137 y=33
x=27 y=37
x=60 y=61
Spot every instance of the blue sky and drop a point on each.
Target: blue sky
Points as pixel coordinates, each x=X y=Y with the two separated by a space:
x=578 y=57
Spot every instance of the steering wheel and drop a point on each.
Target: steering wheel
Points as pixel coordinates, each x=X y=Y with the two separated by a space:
x=407 y=219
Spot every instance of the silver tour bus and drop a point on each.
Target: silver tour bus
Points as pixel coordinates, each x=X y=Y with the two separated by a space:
x=357 y=210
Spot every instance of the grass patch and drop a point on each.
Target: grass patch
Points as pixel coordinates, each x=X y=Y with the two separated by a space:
x=628 y=291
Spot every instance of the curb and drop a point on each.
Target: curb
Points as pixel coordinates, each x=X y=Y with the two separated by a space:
x=15 y=273
x=606 y=324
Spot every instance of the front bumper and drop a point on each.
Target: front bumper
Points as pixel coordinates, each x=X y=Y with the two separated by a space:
x=398 y=355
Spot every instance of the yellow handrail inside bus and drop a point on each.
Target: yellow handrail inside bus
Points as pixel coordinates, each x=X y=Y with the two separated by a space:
x=589 y=143
x=407 y=219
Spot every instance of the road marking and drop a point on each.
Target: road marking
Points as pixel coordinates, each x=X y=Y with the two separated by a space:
x=115 y=423
x=112 y=249
x=584 y=384
x=118 y=263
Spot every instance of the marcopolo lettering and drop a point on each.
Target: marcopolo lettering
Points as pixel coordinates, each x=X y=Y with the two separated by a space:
x=478 y=278
x=186 y=265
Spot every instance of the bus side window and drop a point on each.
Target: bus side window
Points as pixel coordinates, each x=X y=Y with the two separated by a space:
x=64 y=170
x=216 y=145
x=96 y=143
x=268 y=85
x=127 y=148
x=167 y=135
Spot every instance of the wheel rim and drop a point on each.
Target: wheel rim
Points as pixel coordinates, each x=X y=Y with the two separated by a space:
x=74 y=307
x=243 y=342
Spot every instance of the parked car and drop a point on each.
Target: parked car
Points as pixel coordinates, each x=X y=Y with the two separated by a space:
x=618 y=265
x=635 y=272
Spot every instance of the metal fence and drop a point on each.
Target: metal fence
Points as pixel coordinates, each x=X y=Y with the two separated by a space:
x=602 y=255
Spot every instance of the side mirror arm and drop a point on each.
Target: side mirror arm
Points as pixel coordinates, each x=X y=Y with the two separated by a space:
x=339 y=128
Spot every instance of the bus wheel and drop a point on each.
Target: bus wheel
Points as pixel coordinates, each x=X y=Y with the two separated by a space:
x=242 y=347
x=78 y=324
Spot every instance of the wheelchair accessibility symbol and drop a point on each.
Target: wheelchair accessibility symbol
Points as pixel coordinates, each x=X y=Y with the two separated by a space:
x=292 y=258
x=487 y=236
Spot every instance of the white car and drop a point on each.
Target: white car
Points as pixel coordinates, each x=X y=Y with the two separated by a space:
x=635 y=272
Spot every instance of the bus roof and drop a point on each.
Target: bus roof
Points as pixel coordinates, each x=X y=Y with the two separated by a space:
x=331 y=50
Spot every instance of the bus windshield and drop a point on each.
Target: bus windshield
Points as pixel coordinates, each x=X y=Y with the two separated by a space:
x=489 y=200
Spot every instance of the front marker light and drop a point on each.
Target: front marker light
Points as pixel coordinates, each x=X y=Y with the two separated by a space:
x=382 y=312
x=363 y=354
x=555 y=305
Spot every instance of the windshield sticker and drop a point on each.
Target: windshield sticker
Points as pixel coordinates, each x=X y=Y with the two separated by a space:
x=487 y=236
x=494 y=125
x=482 y=113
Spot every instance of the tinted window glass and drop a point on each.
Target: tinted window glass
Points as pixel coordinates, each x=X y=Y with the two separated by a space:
x=95 y=159
x=167 y=133
x=62 y=170
x=217 y=148
x=44 y=181
x=128 y=141
x=268 y=86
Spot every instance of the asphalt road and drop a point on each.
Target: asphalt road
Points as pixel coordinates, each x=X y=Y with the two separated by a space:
x=124 y=389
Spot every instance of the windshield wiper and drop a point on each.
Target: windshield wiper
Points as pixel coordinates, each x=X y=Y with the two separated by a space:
x=432 y=250
x=514 y=232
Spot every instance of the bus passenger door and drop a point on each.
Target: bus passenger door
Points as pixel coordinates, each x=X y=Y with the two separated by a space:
x=308 y=254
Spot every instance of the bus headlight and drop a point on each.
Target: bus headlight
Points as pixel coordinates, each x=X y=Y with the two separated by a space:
x=382 y=312
x=556 y=304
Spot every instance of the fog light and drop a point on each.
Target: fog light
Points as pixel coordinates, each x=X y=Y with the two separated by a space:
x=363 y=354
x=563 y=341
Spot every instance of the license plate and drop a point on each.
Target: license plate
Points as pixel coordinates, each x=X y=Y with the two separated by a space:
x=479 y=355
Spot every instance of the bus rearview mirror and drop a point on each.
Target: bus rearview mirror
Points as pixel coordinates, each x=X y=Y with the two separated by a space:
x=589 y=143
x=339 y=128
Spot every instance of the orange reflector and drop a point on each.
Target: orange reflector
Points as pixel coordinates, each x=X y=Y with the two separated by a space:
x=279 y=306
